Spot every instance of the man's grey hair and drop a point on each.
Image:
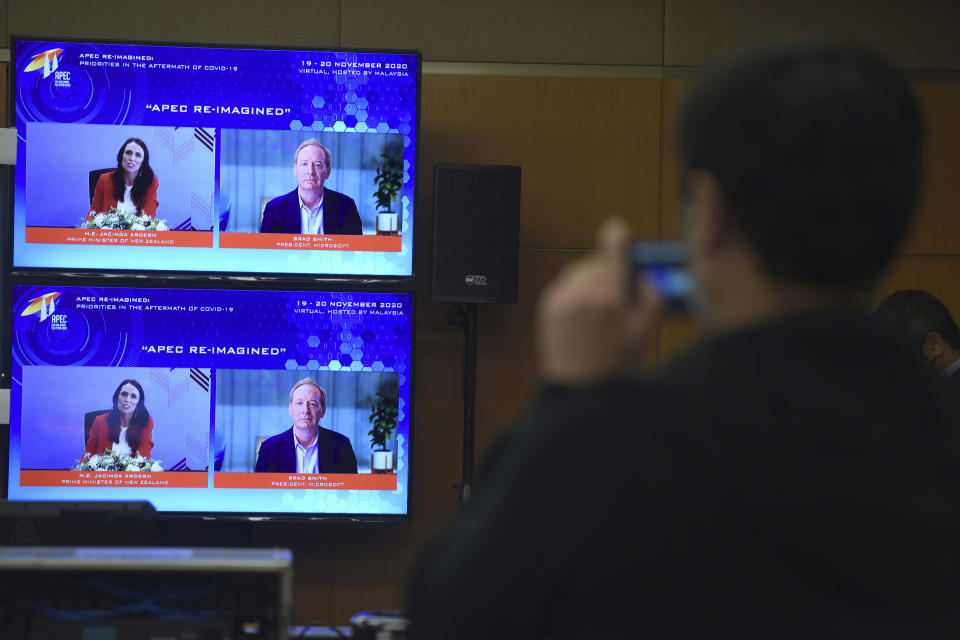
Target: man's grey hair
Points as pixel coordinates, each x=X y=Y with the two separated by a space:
x=305 y=381
x=328 y=157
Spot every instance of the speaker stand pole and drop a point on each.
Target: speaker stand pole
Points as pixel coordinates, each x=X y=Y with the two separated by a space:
x=469 y=396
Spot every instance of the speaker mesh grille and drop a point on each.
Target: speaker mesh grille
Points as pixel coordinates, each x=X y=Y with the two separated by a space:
x=476 y=217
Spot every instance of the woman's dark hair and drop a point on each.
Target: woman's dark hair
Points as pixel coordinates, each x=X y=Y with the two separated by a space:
x=140 y=419
x=143 y=180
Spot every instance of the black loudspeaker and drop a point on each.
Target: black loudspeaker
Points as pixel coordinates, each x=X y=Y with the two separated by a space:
x=476 y=232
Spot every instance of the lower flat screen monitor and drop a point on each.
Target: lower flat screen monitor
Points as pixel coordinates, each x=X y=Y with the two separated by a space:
x=237 y=402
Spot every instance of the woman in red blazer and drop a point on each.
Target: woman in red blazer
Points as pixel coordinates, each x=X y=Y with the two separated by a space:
x=131 y=185
x=128 y=425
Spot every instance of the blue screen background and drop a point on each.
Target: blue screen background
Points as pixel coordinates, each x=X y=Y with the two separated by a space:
x=185 y=89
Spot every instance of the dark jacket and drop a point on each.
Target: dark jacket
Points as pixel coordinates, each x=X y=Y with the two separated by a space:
x=340 y=216
x=793 y=480
x=334 y=453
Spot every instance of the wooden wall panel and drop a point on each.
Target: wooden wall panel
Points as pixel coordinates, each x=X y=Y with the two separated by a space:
x=438 y=405
x=614 y=32
x=4 y=26
x=673 y=91
x=676 y=334
x=940 y=275
x=307 y=23
x=589 y=148
x=915 y=35
x=370 y=566
x=938 y=224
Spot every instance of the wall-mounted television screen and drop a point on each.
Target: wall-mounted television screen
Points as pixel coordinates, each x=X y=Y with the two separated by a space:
x=240 y=402
x=214 y=159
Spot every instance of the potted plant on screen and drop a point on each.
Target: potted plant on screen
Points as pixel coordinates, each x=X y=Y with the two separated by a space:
x=383 y=419
x=389 y=179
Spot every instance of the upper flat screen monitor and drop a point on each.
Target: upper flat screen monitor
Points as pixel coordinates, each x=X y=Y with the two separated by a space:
x=212 y=159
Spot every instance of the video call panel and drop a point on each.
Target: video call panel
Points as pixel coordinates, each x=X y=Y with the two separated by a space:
x=204 y=395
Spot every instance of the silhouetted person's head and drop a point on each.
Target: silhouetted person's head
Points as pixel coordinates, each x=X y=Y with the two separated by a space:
x=804 y=160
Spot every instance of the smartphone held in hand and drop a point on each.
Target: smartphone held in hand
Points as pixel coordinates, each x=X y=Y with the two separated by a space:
x=665 y=264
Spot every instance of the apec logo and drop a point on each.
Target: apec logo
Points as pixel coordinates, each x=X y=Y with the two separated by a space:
x=49 y=61
x=45 y=305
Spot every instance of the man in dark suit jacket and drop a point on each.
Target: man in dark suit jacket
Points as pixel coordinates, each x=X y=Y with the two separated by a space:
x=796 y=474
x=311 y=208
x=306 y=447
x=927 y=329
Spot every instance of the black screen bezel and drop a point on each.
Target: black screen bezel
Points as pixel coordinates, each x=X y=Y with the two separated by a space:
x=293 y=279
x=264 y=515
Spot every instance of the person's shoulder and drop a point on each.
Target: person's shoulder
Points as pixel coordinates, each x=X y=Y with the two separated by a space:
x=953 y=380
x=330 y=435
x=562 y=416
x=106 y=177
x=282 y=200
x=278 y=438
x=332 y=196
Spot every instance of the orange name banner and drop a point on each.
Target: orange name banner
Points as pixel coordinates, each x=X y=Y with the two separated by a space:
x=119 y=237
x=230 y=240
x=42 y=478
x=370 y=481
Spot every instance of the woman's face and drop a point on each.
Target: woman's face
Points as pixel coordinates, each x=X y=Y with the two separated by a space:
x=128 y=399
x=132 y=157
